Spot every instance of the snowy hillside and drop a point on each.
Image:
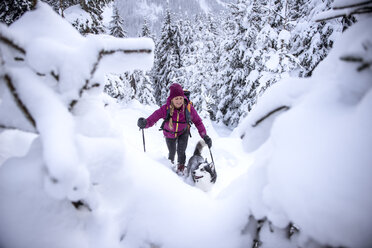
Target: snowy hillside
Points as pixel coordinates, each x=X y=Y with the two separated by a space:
x=135 y=12
x=295 y=173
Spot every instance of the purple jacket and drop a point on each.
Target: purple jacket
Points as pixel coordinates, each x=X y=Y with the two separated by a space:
x=179 y=128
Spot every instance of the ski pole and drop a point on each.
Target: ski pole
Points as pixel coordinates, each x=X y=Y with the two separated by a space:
x=143 y=138
x=210 y=152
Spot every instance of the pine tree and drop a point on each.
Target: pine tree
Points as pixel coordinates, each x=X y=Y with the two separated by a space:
x=60 y=5
x=202 y=65
x=144 y=90
x=95 y=10
x=236 y=63
x=120 y=87
x=311 y=43
x=146 y=31
x=187 y=53
x=144 y=87
x=167 y=59
x=11 y=10
x=348 y=11
x=116 y=25
x=93 y=25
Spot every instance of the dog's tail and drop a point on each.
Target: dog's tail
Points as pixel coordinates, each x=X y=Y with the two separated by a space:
x=199 y=147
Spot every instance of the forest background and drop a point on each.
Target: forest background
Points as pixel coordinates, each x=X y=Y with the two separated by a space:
x=226 y=58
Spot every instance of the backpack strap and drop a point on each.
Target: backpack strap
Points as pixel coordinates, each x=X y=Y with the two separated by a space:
x=165 y=120
x=187 y=117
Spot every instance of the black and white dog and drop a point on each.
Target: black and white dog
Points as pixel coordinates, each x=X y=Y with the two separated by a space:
x=203 y=174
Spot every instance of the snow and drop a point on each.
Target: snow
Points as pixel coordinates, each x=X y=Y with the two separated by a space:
x=284 y=36
x=308 y=163
x=204 y=6
x=325 y=173
x=76 y=12
x=342 y=3
x=273 y=62
x=343 y=8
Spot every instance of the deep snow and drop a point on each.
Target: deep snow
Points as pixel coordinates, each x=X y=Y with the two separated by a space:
x=309 y=164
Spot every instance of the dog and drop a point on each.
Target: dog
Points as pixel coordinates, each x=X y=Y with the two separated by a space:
x=203 y=174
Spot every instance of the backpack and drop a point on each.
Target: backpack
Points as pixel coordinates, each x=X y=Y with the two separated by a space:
x=187 y=116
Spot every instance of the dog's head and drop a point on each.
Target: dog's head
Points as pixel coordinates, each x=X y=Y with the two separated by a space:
x=204 y=175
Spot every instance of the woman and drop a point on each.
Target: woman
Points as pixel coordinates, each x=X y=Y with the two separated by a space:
x=175 y=127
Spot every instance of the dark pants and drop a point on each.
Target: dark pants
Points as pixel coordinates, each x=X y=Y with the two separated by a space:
x=179 y=143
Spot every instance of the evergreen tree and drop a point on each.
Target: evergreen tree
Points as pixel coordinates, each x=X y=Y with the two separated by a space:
x=236 y=62
x=144 y=90
x=95 y=9
x=120 y=87
x=259 y=56
x=167 y=59
x=60 y=5
x=187 y=53
x=116 y=25
x=93 y=25
x=311 y=41
x=11 y=10
x=145 y=31
x=202 y=65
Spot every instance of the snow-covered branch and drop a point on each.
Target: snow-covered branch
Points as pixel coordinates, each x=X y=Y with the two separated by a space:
x=345 y=11
x=9 y=42
x=38 y=91
x=103 y=53
x=363 y=64
x=352 y=5
x=19 y=102
x=284 y=108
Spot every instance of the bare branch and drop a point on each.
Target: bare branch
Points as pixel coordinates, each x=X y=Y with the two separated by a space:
x=19 y=102
x=269 y=114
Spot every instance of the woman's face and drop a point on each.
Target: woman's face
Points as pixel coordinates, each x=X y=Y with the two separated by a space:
x=177 y=101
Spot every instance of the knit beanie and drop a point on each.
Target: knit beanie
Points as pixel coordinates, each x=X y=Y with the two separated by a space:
x=176 y=90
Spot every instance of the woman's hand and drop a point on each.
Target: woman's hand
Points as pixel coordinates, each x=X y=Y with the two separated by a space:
x=141 y=123
x=208 y=141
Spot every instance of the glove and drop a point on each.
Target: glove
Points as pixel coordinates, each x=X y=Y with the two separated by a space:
x=141 y=123
x=208 y=141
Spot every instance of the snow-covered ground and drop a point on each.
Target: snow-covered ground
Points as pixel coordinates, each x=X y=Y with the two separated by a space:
x=309 y=163
x=144 y=199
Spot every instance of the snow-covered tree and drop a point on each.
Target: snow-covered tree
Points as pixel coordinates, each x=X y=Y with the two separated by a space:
x=144 y=92
x=51 y=91
x=146 y=31
x=93 y=24
x=167 y=58
x=187 y=53
x=60 y=5
x=311 y=41
x=13 y=9
x=337 y=97
x=199 y=63
x=236 y=63
x=117 y=25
